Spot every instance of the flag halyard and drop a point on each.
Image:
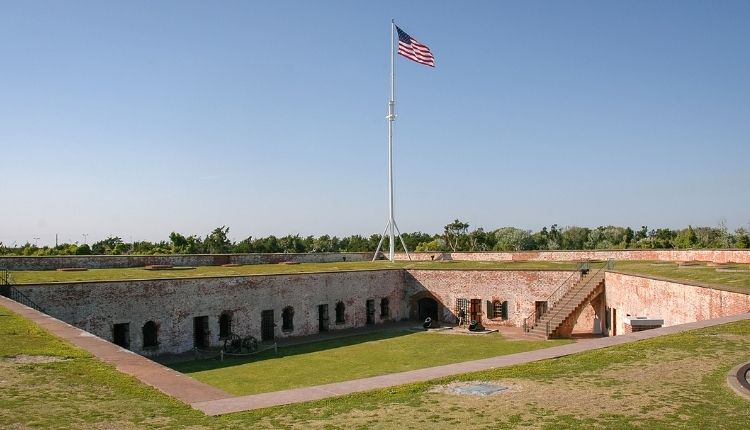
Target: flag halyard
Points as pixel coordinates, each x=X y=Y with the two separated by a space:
x=410 y=48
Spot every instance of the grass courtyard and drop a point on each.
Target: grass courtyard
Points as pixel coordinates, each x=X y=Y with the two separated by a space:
x=671 y=382
x=51 y=276
x=349 y=358
x=736 y=275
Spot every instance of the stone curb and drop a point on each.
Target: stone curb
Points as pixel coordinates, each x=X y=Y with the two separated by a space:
x=733 y=380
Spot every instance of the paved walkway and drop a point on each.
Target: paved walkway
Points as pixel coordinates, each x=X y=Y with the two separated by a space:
x=264 y=400
x=213 y=401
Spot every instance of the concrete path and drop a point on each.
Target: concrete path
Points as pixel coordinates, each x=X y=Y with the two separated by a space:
x=257 y=401
x=213 y=401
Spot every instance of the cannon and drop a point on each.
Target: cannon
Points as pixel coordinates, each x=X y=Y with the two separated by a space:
x=236 y=344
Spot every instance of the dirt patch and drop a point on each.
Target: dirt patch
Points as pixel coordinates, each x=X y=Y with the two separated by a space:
x=477 y=388
x=33 y=359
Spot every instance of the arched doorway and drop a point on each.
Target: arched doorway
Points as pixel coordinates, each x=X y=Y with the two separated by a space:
x=150 y=335
x=428 y=307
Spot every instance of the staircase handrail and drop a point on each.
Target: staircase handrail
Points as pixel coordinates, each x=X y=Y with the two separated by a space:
x=5 y=277
x=8 y=290
x=606 y=266
x=530 y=321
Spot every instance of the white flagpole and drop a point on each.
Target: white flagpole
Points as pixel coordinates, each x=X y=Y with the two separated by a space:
x=390 y=227
x=391 y=118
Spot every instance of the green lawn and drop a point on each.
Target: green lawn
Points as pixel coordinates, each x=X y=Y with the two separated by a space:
x=50 y=276
x=671 y=382
x=351 y=358
x=703 y=274
x=735 y=275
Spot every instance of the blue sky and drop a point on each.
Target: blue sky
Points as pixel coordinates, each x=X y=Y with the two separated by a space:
x=141 y=118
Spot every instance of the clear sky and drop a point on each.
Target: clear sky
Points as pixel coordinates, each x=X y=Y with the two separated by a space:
x=140 y=118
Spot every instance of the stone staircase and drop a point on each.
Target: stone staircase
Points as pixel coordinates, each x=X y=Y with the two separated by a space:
x=564 y=312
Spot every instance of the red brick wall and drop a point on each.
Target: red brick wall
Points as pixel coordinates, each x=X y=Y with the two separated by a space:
x=519 y=287
x=675 y=303
x=172 y=303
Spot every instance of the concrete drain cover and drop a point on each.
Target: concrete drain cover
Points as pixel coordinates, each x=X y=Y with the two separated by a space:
x=477 y=389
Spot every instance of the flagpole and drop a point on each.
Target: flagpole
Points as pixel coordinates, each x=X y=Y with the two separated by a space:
x=391 y=118
x=390 y=227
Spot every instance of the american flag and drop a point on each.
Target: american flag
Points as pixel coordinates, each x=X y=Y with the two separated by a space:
x=413 y=50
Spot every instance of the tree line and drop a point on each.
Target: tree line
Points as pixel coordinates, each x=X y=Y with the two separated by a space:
x=456 y=237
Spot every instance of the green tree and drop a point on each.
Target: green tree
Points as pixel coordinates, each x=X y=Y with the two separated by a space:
x=455 y=235
x=741 y=238
x=480 y=240
x=179 y=242
x=217 y=242
x=268 y=244
x=629 y=235
x=436 y=245
x=512 y=239
x=106 y=246
x=686 y=238
x=414 y=239
x=83 y=250
x=661 y=238
x=574 y=237
x=293 y=244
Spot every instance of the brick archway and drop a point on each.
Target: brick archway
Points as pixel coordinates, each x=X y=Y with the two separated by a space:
x=424 y=296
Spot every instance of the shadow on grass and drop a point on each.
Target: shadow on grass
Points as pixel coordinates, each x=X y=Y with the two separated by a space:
x=288 y=351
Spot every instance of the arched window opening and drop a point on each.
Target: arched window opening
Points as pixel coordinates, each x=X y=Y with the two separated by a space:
x=340 y=316
x=150 y=335
x=225 y=325
x=287 y=319
x=385 y=310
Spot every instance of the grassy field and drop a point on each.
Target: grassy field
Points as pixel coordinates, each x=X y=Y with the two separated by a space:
x=351 y=358
x=50 y=276
x=735 y=275
x=672 y=382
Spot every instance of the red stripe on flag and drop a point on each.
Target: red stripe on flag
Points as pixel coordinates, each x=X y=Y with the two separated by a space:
x=413 y=50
